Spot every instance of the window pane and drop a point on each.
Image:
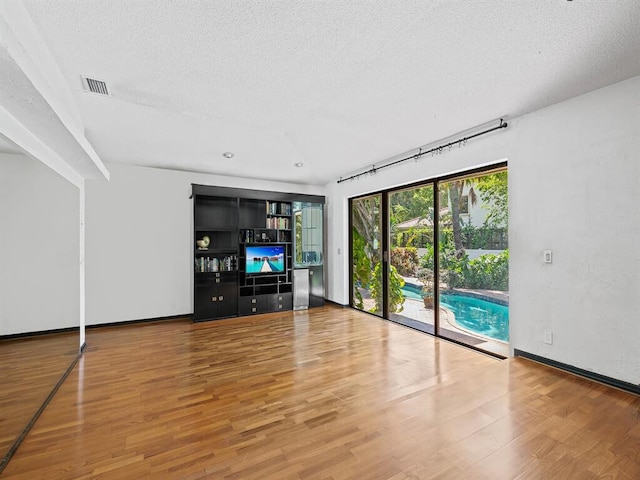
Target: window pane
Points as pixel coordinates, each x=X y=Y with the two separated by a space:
x=474 y=261
x=366 y=247
x=411 y=277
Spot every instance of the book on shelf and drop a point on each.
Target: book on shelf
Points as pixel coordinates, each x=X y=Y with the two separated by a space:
x=246 y=236
x=278 y=223
x=278 y=208
x=214 y=264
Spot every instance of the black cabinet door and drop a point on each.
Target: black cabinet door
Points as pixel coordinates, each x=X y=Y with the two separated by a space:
x=227 y=299
x=316 y=287
x=206 y=303
x=216 y=298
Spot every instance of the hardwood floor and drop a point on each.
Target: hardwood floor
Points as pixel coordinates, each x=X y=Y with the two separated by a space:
x=327 y=394
x=30 y=367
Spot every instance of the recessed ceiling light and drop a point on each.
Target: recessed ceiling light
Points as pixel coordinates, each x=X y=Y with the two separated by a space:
x=227 y=154
x=298 y=164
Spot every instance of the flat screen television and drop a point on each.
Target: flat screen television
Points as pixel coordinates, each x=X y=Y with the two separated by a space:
x=264 y=259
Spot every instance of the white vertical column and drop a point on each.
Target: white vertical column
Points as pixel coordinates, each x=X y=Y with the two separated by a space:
x=82 y=262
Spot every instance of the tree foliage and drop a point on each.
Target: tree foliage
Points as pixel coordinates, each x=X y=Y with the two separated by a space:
x=367 y=267
x=493 y=190
x=456 y=270
x=366 y=220
x=411 y=203
x=405 y=259
x=454 y=191
x=361 y=267
x=396 y=296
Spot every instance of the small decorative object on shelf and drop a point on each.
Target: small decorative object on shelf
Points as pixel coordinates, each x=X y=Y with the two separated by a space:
x=203 y=244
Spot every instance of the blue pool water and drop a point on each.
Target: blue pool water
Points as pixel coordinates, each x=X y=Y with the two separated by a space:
x=480 y=316
x=411 y=291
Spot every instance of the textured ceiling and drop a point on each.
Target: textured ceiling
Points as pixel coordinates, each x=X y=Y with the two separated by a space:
x=337 y=85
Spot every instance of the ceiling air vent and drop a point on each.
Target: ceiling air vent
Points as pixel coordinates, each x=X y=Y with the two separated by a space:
x=95 y=86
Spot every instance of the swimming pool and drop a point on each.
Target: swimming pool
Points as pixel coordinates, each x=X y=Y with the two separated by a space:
x=474 y=314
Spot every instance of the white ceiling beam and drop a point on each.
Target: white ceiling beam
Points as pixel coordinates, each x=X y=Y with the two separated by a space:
x=38 y=112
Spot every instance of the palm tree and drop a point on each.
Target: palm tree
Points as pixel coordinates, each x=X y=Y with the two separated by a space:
x=454 y=191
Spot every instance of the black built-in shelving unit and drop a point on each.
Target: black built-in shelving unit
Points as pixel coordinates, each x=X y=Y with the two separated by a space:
x=233 y=219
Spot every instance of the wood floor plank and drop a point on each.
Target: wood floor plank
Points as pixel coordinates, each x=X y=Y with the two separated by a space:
x=31 y=367
x=328 y=394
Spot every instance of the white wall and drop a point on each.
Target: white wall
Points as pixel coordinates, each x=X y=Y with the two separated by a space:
x=39 y=248
x=574 y=185
x=139 y=241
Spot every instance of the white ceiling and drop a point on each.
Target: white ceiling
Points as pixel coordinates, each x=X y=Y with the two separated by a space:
x=338 y=85
x=7 y=146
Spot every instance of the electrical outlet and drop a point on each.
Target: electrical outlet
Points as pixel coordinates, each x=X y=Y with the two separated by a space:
x=548 y=337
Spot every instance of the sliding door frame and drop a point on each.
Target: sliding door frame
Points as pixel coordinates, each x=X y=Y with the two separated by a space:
x=385 y=243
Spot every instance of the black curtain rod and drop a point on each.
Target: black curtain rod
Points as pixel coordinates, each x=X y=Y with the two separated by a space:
x=420 y=153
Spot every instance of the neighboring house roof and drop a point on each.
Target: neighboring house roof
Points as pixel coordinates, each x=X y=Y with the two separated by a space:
x=414 y=222
x=419 y=221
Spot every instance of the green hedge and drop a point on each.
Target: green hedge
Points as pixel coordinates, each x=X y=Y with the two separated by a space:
x=487 y=272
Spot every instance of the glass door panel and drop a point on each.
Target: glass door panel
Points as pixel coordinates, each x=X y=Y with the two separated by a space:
x=308 y=247
x=366 y=254
x=411 y=269
x=473 y=260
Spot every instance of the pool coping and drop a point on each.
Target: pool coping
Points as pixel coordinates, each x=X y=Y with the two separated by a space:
x=486 y=295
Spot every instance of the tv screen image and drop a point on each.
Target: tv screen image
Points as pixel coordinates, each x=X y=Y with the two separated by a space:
x=264 y=259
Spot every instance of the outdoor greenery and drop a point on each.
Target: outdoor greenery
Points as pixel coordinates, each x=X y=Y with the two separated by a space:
x=405 y=259
x=396 y=282
x=413 y=210
x=488 y=272
x=361 y=267
x=454 y=189
x=492 y=238
x=413 y=203
x=494 y=194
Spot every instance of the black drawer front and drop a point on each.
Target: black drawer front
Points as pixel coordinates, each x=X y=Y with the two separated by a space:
x=280 y=301
x=255 y=304
x=216 y=278
x=265 y=303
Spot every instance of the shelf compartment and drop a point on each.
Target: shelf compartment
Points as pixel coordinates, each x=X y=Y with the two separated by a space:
x=252 y=213
x=226 y=239
x=266 y=289
x=214 y=264
x=279 y=208
x=219 y=211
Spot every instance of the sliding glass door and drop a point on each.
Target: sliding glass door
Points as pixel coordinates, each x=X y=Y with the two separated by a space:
x=435 y=257
x=474 y=261
x=367 y=268
x=411 y=270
